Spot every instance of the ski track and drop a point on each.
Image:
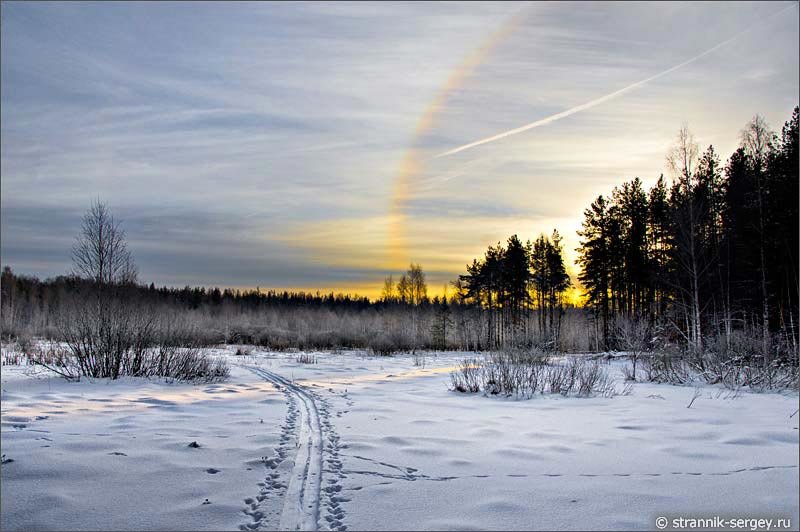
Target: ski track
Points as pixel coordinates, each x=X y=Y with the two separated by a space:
x=304 y=499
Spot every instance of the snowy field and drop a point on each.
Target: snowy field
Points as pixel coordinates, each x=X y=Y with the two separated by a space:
x=356 y=442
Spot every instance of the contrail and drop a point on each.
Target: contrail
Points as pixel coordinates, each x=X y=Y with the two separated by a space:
x=598 y=101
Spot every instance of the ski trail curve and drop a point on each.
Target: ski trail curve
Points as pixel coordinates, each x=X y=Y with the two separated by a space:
x=301 y=506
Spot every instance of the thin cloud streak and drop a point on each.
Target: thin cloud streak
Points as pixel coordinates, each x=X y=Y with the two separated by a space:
x=597 y=101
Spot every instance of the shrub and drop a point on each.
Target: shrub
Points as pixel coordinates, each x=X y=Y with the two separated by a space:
x=467 y=378
x=591 y=377
x=305 y=358
x=735 y=364
x=108 y=336
x=523 y=375
x=169 y=361
x=25 y=344
x=278 y=340
x=387 y=344
x=634 y=336
x=57 y=359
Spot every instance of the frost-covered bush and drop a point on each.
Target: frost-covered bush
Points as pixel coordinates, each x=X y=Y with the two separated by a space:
x=666 y=367
x=305 y=358
x=390 y=343
x=634 y=336
x=753 y=370
x=168 y=361
x=467 y=378
x=523 y=375
x=737 y=363
x=106 y=335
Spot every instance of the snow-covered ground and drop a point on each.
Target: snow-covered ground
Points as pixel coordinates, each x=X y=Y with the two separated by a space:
x=358 y=442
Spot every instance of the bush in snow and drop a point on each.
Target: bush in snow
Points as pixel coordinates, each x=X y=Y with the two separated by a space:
x=667 y=367
x=523 y=375
x=305 y=358
x=735 y=364
x=169 y=361
x=107 y=336
x=467 y=378
x=634 y=336
x=389 y=343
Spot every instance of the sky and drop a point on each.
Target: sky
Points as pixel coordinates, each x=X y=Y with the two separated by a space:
x=307 y=145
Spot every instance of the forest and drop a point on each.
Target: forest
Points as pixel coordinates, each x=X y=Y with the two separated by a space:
x=708 y=259
x=705 y=260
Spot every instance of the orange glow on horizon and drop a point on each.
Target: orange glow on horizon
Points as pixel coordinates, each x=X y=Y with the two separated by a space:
x=372 y=289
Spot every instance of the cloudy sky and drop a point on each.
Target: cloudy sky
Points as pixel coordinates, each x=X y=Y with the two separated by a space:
x=293 y=145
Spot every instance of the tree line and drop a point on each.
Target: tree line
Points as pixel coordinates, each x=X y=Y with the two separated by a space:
x=707 y=258
x=704 y=259
x=512 y=296
x=511 y=281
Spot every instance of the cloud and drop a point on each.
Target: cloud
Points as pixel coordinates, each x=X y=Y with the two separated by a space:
x=258 y=144
x=602 y=99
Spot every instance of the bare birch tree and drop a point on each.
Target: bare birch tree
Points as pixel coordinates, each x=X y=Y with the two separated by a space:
x=682 y=159
x=100 y=252
x=757 y=140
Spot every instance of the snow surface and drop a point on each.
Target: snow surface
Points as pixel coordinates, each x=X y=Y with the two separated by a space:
x=359 y=442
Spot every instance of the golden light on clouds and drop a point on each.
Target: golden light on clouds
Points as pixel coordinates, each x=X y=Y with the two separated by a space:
x=443 y=244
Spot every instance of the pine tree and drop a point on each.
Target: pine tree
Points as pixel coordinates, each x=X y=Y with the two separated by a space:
x=516 y=277
x=442 y=323
x=558 y=282
x=660 y=245
x=782 y=204
x=594 y=258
